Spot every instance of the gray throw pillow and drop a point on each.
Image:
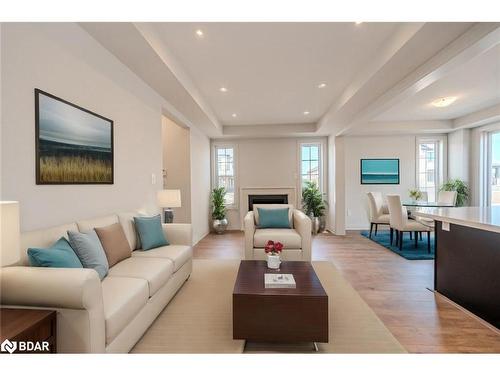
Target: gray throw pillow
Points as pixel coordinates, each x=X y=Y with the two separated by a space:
x=89 y=250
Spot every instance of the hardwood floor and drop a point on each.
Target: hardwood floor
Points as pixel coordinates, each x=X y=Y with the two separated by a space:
x=395 y=288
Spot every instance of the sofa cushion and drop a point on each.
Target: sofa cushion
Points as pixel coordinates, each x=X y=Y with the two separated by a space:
x=155 y=271
x=89 y=250
x=288 y=237
x=123 y=298
x=150 y=232
x=114 y=242
x=43 y=238
x=59 y=255
x=127 y=221
x=179 y=254
x=87 y=225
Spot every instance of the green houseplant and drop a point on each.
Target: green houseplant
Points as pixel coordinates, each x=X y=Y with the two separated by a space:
x=314 y=206
x=460 y=187
x=219 y=220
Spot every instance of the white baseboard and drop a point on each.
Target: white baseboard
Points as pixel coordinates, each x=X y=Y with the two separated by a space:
x=202 y=237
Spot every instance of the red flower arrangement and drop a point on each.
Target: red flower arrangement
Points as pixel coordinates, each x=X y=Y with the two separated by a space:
x=273 y=247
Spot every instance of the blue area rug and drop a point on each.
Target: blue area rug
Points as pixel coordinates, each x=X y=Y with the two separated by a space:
x=409 y=251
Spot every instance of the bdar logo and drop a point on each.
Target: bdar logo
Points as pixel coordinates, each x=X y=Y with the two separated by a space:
x=8 y=346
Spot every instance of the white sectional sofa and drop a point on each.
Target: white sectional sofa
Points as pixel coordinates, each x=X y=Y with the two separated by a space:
x=94 y=316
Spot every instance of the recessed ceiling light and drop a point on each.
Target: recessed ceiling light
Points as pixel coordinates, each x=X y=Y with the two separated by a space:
x=199 y=33
x=306 y=112
x=234 y=115
x=358 y=23
x=444 y=102
x=321 y=85
x=223 y=89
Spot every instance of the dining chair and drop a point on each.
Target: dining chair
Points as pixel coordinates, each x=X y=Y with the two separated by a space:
x=447 y=197
x=398 y=219
x=379 y=214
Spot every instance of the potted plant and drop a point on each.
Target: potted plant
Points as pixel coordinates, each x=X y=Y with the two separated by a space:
x=314 y=206
x=273 y=250
x=415 y=194
x=219 y=220
x=460 y=187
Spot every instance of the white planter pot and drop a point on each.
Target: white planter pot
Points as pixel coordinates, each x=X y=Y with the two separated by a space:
x=273 y=262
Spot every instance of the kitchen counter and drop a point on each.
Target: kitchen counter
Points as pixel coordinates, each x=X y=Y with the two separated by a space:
x=485 y=218
x=467 y=258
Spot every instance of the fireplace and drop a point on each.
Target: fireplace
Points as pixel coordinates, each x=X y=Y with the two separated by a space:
x=266 y=199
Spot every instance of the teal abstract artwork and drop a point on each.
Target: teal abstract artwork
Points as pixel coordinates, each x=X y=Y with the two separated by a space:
x=380 y=171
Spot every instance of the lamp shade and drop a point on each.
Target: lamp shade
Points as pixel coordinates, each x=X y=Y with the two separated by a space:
x=9 y=233
x=169 y=198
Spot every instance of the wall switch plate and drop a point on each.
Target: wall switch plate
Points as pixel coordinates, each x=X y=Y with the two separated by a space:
x=153 y=179
x=445 y=226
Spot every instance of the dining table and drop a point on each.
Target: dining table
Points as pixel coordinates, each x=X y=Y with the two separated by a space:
x=410 y=205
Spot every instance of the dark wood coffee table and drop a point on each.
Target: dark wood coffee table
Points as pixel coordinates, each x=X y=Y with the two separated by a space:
x=279 y=315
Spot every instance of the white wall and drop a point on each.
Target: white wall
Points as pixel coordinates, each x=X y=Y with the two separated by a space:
x=200 y=184
x=356 y=148
x=268 y=162
x=177 y=164
x=64 y=60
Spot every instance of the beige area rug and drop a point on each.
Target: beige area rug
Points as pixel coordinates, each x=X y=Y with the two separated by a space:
x=199 y=320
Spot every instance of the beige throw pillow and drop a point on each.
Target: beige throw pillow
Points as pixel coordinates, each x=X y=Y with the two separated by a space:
x=114 y=242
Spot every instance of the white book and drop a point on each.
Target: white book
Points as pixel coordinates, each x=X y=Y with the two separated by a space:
x=279 y=280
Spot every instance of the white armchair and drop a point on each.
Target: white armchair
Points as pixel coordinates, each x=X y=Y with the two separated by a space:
x=296 y=240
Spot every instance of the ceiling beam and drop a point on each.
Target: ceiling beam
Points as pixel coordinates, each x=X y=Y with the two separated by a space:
x=482 y=117
x=274 y=130
x=475 y=41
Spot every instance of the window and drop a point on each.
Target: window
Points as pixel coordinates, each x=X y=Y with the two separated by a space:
x=224 y=171
x=494 y=158
x=310 y=163
x=428 y=171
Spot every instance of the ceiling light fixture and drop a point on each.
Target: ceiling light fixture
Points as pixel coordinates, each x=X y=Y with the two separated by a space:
x=223 y=89
x=444 y=102
x=358 y=23
x=199 y=33
x=234 y=115
x=306 y=112
x=321 y=85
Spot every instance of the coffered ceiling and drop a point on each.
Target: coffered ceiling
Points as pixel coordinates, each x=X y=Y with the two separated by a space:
x=304 y=79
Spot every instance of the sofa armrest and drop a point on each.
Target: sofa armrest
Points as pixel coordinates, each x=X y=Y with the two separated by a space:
x=302 y=224
x=178 y=234
x=69 y=288
x=249 y=226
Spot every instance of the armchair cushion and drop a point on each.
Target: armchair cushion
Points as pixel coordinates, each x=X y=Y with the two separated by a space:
x=288 y=237
x=274 y=217
x=269 y=206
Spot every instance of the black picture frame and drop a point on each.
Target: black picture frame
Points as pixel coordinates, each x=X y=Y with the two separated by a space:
x=379 y=183
x=39 y=181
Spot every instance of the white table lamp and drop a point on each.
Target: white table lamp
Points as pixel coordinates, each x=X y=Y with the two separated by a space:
x=9 y=233
x=168 y=199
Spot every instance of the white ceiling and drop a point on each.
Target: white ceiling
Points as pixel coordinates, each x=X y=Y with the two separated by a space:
x=476 y=84
x=272 y=70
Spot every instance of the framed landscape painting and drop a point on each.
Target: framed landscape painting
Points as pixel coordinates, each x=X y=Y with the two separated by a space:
x=380 y=171
x=73 y=144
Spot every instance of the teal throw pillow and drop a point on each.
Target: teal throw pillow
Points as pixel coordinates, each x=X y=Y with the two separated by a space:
x=89 y=250
x=150 y=232
x=59 y=255
x=273 y=218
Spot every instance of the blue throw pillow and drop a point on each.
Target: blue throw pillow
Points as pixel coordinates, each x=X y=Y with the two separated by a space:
x=89 y=250
x=150 y=232
x=59 y=255
x=273 y=218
